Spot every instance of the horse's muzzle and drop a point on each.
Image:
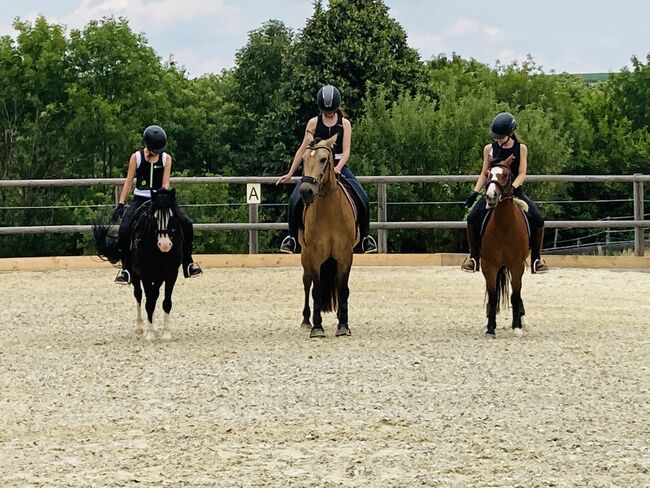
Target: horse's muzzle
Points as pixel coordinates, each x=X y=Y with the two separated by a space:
x=164 y=243
x=308 y=192
x=491 y=201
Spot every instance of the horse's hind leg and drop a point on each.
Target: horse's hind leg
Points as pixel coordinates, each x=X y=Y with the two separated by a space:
x=342 y=313
x=167 y=308
x=306 y=312
x=515 y=299
x=137 y=293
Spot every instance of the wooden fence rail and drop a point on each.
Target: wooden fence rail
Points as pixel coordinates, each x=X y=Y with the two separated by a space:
x=639 y=224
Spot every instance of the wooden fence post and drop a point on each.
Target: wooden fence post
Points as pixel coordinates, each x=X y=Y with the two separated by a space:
x=382 y=214
x=639 y=214
x=253 y=218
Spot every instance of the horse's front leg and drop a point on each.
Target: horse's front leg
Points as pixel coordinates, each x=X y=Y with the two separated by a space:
x=137 y=293
x=317 y=329
x=167 y=307
x=306 y=311
x=491 y=285
x=342 y=313
x=151 y=291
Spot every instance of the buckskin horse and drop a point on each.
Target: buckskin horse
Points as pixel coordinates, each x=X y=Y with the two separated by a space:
x=327 y=239
x=156 y=252
x=504 y=247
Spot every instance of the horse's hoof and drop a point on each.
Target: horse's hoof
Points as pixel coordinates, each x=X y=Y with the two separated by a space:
x=317 y=332
x=343 y=330
x=524 y=322
x=306 y=324
x=139 y=330
x=149 y=337
x=490 y=335
x=166 y=336
x=518 y=332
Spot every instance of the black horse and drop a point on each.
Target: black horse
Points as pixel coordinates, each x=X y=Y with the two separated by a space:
x=156 y=248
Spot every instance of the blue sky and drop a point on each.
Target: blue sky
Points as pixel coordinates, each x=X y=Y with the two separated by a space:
x=577 y=36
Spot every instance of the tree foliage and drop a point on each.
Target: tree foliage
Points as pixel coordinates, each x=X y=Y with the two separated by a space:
x=74 y=105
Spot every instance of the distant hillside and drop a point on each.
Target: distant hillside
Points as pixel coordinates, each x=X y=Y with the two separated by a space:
x=593 y=77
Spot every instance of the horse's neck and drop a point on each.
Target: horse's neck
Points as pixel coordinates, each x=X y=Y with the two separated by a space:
x=505 y=212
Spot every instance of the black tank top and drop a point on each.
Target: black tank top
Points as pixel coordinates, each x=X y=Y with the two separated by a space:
x=325 y=132
x=499 y=154
x=143 y=173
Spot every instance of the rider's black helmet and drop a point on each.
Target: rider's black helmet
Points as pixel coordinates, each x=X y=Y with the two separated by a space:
x=155 y=139
x=503 y=125
x=328 y=99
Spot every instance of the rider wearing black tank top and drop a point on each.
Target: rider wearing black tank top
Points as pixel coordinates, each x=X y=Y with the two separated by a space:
x=328 y=123
x=505 y=143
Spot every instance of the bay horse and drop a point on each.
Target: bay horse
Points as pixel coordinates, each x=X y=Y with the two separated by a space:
x=327 y=239
x=156 y=251
x=504 y=247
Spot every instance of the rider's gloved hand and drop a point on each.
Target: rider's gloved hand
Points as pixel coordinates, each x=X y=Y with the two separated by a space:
x=118 y=213
x=471 y=199
x=518 y=192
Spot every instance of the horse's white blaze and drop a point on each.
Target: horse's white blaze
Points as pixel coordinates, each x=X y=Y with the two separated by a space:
x=494 y=172
x=162 y=220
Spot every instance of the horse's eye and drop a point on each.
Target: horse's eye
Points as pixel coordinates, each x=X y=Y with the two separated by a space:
x=323 y=160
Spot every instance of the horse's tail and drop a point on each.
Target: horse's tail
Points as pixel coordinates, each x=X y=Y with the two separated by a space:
x=503 y=288
x=106 y=244
x=329 y=290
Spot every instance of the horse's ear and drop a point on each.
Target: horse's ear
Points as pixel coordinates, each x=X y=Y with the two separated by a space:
x=509 y=159
x=331 y=141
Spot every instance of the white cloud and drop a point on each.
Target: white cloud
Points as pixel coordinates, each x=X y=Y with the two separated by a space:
x=197 y=64
x=156 y=13
x=428 y=45
x=507 y=56
x=463 y=27
x=495 y=34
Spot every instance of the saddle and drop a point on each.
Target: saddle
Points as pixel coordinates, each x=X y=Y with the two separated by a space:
x=135 y=221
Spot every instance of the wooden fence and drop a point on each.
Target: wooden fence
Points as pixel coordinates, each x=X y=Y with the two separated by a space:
x=382 y=225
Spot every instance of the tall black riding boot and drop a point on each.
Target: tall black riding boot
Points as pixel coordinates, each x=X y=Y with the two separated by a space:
x=472 y=263
x=290 y=243
x=537 y=264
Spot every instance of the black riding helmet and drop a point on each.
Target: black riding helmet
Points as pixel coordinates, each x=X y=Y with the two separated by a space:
x=328 y=99
x=503 y=125
x=155 y=139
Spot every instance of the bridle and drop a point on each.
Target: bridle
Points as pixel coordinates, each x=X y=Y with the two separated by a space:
x=318 y=181
x=505 y=191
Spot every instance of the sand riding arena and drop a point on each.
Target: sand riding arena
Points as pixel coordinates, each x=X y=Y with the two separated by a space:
x=417 y=396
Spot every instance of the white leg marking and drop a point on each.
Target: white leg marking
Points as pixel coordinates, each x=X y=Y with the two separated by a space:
x=138 y=320
x=519 y=333
x=166 y=333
